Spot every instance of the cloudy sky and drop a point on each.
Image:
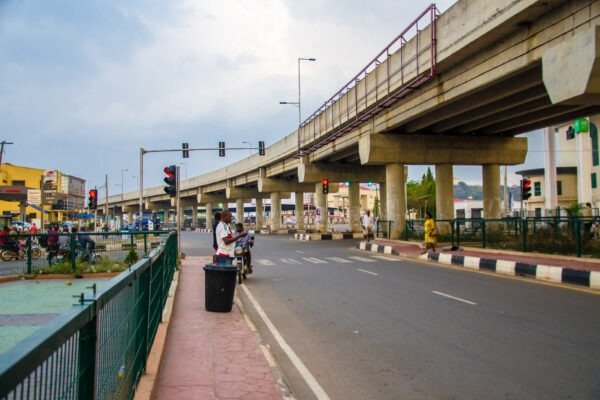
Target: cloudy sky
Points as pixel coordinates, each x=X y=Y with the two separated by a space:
x=85 y=84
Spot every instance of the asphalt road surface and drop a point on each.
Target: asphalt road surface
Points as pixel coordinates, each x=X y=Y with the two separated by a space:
x=368 y=326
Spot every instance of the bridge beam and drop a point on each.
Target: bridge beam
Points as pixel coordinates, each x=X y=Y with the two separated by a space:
x=571 y=69
x=441 y=149
x=340 y=173
x=211 y=198
x=232 y=192
x=270 y=185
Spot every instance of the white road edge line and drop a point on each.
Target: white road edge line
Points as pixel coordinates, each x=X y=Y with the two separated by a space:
x=308 y=377
x=454 y=298
x=367 y=272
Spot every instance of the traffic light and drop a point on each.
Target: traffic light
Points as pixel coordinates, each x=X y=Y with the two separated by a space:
x=221 y=149
x=185 y=147
x=325 y=183
x=171 y=180
x=261 y=148
x=93 y=199
x=525 y=188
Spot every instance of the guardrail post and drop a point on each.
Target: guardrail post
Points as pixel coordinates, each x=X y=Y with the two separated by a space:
x=457 y=233
x=145 y=242
x=524 y=234
x=483 y=238
x=86 y=363
x=72 y=247
x=578 y=237
x=29 y=254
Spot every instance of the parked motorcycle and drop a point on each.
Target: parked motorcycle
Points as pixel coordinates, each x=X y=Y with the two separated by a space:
x=10 y=252
x=242 y=259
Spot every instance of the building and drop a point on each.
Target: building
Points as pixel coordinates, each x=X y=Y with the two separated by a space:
x=571 y=174
x=62 y=194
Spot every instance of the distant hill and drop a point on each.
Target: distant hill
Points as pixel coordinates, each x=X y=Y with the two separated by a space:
x=463 y=191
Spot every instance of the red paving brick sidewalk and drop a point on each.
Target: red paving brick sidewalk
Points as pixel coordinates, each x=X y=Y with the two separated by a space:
x=210 y=355
x=412 y=249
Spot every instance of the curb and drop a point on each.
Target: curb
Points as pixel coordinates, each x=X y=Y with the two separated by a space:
x=328 y=236
x=145 y=387
x=542 y=272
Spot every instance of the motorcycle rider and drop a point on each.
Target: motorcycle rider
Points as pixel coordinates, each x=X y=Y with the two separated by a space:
x=86 y=243
x=246 y=242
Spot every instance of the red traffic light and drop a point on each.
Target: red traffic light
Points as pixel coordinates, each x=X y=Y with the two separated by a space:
x=92 y=193
x=171 y=180
x=325 y=184
x=525 y=188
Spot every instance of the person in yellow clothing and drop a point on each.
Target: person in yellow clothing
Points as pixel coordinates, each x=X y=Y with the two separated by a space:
x=430 y=232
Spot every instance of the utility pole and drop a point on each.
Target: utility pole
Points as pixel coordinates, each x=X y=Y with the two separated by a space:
x=106 y=200
x=4 y=142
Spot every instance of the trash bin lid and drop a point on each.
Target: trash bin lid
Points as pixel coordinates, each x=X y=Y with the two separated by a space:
x=220 y=267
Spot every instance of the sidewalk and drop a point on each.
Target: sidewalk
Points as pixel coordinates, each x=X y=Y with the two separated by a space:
x=208 y=355
x=549 y=267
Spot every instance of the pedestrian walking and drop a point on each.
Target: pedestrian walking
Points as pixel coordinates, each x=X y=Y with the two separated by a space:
x=431 y=233
x=367 y=223
x=33 y=229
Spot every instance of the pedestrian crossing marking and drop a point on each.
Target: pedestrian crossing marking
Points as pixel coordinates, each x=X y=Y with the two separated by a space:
x=290 y=261
x=363 y=259
x=339 y=260
x=384 y=258
x=265 y=262
x=314 y=260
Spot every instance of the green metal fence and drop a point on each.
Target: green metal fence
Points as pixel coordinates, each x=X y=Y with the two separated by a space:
x=98 y=349
x=40 y=255
x=556 y=235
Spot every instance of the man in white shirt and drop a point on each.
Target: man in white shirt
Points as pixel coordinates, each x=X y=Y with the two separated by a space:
x=226 y=239
x=367 y=223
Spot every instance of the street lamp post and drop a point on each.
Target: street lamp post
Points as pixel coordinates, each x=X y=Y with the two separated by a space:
x=299 y=102
x=122 y=181
x=249 y=145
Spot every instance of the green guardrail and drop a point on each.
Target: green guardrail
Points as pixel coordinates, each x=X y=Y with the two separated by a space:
x=550 y=235
x=98 y=349
x=39 y=253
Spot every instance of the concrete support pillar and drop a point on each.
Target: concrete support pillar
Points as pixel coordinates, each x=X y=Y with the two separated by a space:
x=550 y=192
x=491 y=191
x=260 y=221
x=239 y=210
x=321 y=200
x=209 y=216
x=129 y=217
x=275 y=211
x=444 y=192
x=195 y=216
x=382 y=202
x=299 y=200
x=354 y=207
x=395 y=193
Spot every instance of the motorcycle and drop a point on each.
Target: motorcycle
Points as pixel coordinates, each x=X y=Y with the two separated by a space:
x=63 y=254
x=10 y=252
x=241 y=253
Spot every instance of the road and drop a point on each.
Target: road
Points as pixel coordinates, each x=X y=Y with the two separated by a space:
x=368 y=326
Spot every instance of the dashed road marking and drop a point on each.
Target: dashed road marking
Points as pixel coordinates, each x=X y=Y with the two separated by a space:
x=265 y=262
x=339 y=260
x=367 y=272
x=290 y=261
x=385 y=258
x=454 y=298
x=314 y=260
x=362 y=259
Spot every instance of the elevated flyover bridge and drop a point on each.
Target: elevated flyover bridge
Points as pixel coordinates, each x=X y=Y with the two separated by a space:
x=452 y=89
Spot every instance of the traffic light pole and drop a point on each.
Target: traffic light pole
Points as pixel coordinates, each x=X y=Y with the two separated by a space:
x=144 y=151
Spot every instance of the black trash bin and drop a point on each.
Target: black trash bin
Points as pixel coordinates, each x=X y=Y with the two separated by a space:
x=219 y=287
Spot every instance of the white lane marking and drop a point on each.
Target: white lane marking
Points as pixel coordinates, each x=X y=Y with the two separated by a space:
x=454 y=298
x=363 y=259
x=367 y=272
x=308 y=377
x=339 y=260
x=314 y=260
x=290 y=261
x=384 y=258
x=265 y=262
x=298 y=251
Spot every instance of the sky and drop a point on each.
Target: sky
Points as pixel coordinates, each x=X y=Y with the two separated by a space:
x=85 y=84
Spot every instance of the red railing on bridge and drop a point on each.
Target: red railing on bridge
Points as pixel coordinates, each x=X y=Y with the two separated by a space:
x=390 y=97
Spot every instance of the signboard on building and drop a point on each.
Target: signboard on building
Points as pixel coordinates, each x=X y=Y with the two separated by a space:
x=34 y=196
x=581 y=125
